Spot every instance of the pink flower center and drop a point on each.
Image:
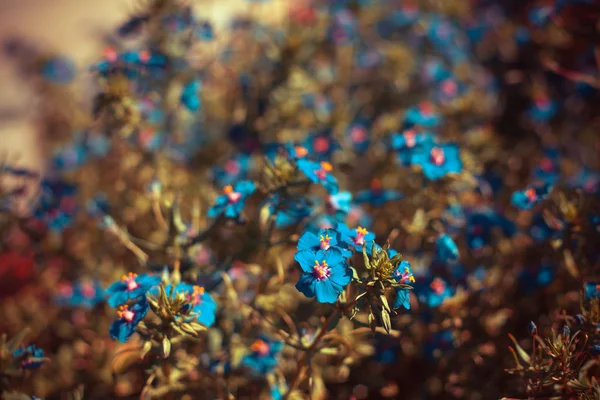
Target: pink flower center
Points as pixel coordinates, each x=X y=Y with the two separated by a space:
x=325 y=242
x=438 y=286
x=232 y=167
x=426 y=108
x=406 y=276
x=410 y=137
x=321 y=144
x=196 y=296
x=542 y=102
x=232 y=195
x=125 y=313
x=437 y=156
x=321 y=270
x=111 y=54
x=358 y=134
x=359 y=239
x=88 y=290
x=144 y=56
x=129 y=280
x=260 y=347
x=546 y=164
x=531 y=195
x=325 y=169
x=449 y=87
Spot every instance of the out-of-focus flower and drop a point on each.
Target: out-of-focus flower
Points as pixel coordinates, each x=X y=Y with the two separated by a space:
x=233 y=199
x=131 y=286
x=263 y=357
x=438 y=161
x=531 y=196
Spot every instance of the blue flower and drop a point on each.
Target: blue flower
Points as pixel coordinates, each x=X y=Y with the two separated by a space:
x=128 y=320
x=203 y=307
x=233 y=170
x=423 y=115
x=592 y=290
x=543 y=109
x=407 y=142
x=407 y=14
x=84 y=293
x=324 y=240
x=190 y=95
x=355 y=238
x=438 y=161
x=324 y=274
x=321 y=145
x=131 y=286
x=59 y=70
x=481 y=224
x=358 y=134
x=205 y=32
x=319 y=172
x=586 y=179
x=263 y=357
x=57 y=205
x=233 y=200
x=376 y=196
x=448 y=90
x=447 y=251
x=437 y=292
x=31 y=357
x=291 y=212
x=548 y=170
x=340 y=202
x=531 y=196
x=403 y=274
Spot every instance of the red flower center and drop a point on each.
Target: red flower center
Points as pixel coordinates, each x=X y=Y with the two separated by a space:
x=321 y=144
x=321 y=270
x=437 y=156
x=261 y=347
x=438 y=286
x=232 y=195
x=129 y=280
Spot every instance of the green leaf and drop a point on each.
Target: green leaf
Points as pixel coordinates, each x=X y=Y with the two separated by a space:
x=166 y=347
x=146 y=349
x=366 y=257
x=387 y=323
x=384 y=302
x=522 y=353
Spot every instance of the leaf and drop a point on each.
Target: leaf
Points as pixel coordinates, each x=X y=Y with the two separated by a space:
x=522 y=353
x=355 y=276
x=384 y=302
x=146 y=348
x=366 y=257
x=387 y=323
x=372 y=323
x=166 y=347
x=570 y=264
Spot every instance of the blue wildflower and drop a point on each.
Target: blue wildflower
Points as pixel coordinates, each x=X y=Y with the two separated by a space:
x=340 y=202
x=263 y=357
x=321 y=145
x=205 y=32
x=190 y=95
x=423 y=115
x=323 y=240
x=438 y=292
x=409 y=141
x=203 y=307
x=233 y=199
x=531 y=196
x=377 y=196
x=324 y=274
x=406 y=15
x=403 y=274
x=59 y=70
x=128 y=319
x=592 y=290
x=481 y=224
x=57 y=205
x=355 y=238
x=84 y=293
x=588 y=180
x=233 y=170
x=131 y=286
x=359 y=135
x=438 y=161
x=291 y=212
x=447 y=251
x=31 y=357
x=543 y=109
x=319 y=172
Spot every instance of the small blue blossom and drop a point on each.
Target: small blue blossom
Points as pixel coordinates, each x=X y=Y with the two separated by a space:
x=438 y=161
x=233 y=199
x=408 y=142
x=377 y=196
x=321 y=145
x=436 y=293
x=548 y=170
x=358 y=133
x=59 y=70
x=264 y=355
x=543 y=109
x=355 y=238
x=84 y=293
x=290 y=213
x=31 y=357
x=403 y=275
x=190 y=95
x=481 y=224
x=203 y=307
x=592 y=290
x=131 y=286
x=340 y=202
x=233 y=170
x=406 y=15
x=447 y=250
x=319 y=172
x=57 y=205
x=531 y=196
x=324 y=274
x=128 y=319
x=423 y=115
x=324 y=240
